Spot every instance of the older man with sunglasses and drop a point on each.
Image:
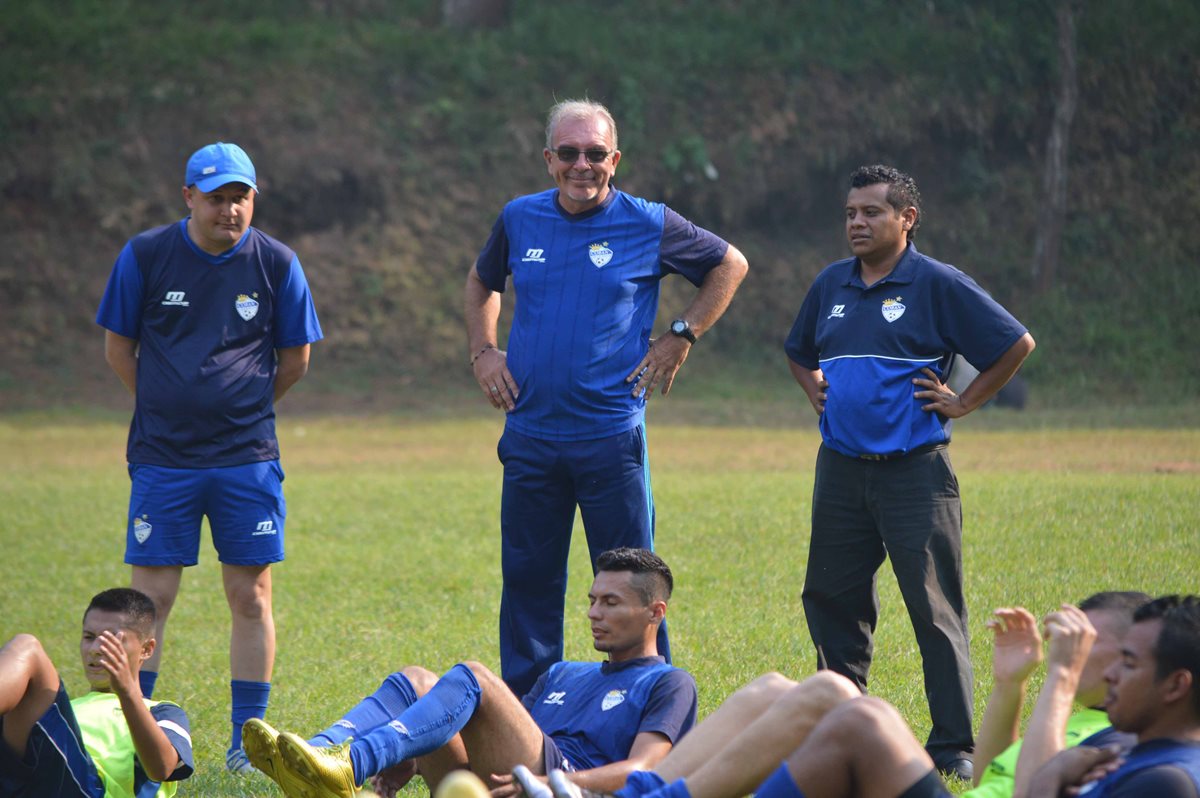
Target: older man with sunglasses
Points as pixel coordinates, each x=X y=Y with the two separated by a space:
x=586 y=260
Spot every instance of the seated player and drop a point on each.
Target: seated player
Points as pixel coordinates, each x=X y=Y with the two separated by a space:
x=1016 y=653
x=761 y=724
x=864 y=748
x=110 y=742
x=597 y=721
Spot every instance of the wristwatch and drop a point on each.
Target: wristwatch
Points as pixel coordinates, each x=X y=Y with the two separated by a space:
x=681 y=328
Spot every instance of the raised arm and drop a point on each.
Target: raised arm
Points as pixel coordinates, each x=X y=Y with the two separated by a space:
x=1016 y=652
x=481 y=308
x=1071 y=636
x=158 y=757
x=667 y=352
x=121 y=354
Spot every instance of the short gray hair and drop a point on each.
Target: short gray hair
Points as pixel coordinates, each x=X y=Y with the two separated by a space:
x=578 y=109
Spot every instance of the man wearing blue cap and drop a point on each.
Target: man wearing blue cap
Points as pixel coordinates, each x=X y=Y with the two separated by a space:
x=208 y=323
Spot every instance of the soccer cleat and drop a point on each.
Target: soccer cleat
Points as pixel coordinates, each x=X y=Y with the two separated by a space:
x=259 y=743
x=317 y=772
x=531 y=785
x=237 y=763
x=462 y=784
x=563 y=787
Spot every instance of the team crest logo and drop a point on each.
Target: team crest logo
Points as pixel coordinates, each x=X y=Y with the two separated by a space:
x=141 y=529
x=612 y=699
x=247 y=308
x=600 y=254
x=892 y=309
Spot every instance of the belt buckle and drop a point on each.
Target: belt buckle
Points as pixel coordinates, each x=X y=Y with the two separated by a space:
x=874 y=457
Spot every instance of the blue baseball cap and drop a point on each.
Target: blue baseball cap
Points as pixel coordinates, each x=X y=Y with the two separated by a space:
x=213 y=166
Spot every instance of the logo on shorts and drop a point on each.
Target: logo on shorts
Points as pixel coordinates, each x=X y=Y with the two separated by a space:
x=264 y=528
x=247 y=308
x=600 y=254
x=398 y=726
x=612 y=699
x=892 y=309
x=142 y=528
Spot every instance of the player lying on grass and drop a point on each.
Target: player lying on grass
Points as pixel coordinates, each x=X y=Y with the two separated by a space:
x=597 y=721
x=110 y=742
x=863 y=747
x=763 y=723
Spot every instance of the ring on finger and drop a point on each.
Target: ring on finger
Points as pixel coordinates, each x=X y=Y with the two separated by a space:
x=495 y=389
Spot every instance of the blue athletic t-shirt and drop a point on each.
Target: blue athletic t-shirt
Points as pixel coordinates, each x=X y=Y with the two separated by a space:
x=594 y=710
x=1141 y=774
x=870 y=342
x=587 y=293
x=207 y=327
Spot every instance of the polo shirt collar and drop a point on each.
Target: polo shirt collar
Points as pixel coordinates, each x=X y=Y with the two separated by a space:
x=904 y=272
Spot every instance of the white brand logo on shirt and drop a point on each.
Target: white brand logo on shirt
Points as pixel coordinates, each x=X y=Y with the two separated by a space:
x=612 y=699
x=264 y=528
x=142 y=529
x=600 y=254
x=176 y=299
x=892 y=309
x=535 y=255
x=556 y=698
x=838 y=312
x=247 y=308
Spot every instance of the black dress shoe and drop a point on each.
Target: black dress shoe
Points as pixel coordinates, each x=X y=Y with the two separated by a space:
x=961 y=768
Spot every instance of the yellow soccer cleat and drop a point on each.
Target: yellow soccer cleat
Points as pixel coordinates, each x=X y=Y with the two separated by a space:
x=315 y=772
x=259 y=741
x=462 y=784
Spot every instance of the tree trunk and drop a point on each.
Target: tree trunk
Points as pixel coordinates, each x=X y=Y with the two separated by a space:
x=1053 y=213
x=475 y=13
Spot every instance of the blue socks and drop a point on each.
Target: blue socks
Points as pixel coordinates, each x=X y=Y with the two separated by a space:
x=425 y=726
x=146 y=680
x=249 y=701
x=779 y=784
x=395 y=695
x=641 y=782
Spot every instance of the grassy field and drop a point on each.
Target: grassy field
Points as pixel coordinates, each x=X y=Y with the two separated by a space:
x=393 y=551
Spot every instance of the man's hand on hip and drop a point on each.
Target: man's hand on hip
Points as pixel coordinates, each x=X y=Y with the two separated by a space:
x=498 y=385
x=662 y=361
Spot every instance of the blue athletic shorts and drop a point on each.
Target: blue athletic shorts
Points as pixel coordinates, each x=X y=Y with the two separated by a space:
x=55 y=764
x=244 y=505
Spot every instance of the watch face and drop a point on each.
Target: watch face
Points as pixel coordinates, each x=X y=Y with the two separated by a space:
x=678 y=326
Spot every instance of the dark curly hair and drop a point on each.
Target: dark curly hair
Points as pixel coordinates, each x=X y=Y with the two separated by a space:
x=902 y=189
x=651 y=577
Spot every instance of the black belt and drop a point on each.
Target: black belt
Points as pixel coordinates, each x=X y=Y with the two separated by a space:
x=929 y=447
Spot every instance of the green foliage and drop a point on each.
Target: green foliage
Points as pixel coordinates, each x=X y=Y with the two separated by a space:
x=393 y=552
x=388 y=142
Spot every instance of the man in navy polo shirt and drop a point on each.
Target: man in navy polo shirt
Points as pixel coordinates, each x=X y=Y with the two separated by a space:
x=586 y=260
x=870 y=348
x=208 y=323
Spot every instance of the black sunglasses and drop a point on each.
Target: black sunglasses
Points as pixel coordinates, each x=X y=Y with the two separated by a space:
x=571 y=155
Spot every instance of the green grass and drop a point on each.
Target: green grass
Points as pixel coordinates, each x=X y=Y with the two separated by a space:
x=393 y=551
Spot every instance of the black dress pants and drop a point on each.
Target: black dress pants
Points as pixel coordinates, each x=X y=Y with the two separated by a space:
x=906 y=508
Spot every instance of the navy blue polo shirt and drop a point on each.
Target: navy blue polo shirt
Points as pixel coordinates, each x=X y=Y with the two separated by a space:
x=587 y=293
x=207 y=328
x=870 y=342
